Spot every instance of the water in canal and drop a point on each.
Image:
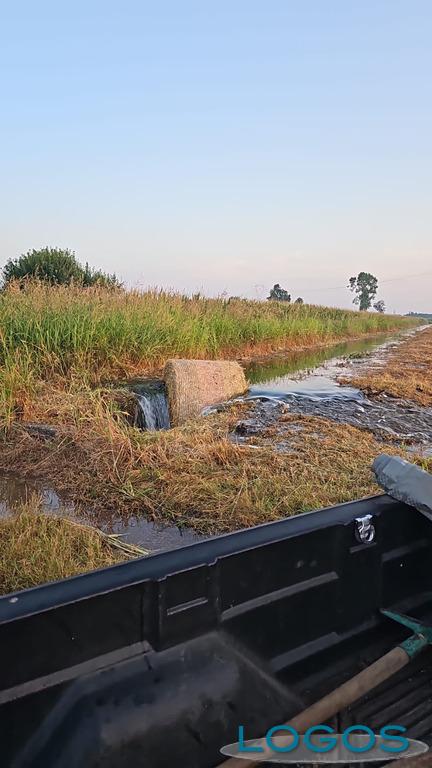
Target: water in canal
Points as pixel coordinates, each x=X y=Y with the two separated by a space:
x=308 y=383
x=310 y=372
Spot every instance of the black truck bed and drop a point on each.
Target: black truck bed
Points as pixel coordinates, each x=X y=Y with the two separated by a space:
x=156 y=662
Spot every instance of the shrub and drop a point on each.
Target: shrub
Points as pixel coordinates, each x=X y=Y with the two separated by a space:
x=56 y=266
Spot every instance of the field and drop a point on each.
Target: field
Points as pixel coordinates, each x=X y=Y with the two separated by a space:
x=56 y=334
x=60 y=351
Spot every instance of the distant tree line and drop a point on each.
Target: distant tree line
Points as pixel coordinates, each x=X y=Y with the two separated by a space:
x=60 y=266
x=364 y=287
x=280 y=294
x=426 y=315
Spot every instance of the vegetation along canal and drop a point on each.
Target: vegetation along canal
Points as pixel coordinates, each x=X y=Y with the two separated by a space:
x=284 y=390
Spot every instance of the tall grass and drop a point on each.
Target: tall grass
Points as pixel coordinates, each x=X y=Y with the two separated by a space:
x=64 y=331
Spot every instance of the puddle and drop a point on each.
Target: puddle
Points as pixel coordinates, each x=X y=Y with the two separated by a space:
x=145 y=533
x=14 y=491
x=139 y=531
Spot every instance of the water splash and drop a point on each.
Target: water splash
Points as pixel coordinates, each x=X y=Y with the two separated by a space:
x=153 y=413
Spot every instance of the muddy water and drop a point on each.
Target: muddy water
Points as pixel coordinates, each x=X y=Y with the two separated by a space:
x=14 y=491
x=145 y=533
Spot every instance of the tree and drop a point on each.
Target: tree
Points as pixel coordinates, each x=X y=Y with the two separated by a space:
x=56 y=266
x=299 y=300
x=379 y=306
x=365 y=287
x=97 y=277
x=278 y=294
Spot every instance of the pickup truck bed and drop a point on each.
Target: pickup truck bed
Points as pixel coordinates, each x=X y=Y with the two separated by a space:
x=156 y=662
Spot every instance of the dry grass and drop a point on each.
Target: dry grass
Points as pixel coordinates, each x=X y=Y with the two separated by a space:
x=36 y=548
x=407 y=371
x=194 y=474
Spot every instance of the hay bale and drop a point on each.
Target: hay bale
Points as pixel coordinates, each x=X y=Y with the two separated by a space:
x=195 y=384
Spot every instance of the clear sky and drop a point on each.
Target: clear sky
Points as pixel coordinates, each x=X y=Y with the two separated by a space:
x=225 y=145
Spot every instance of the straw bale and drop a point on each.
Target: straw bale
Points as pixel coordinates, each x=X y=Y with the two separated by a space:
x=195 y=384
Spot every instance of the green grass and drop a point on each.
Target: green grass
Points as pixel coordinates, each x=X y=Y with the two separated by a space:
x=48 y=332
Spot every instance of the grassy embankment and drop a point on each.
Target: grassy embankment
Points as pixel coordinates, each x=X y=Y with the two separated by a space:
x=57 y=346
x=36 y=547
x=58 y=333
x=407 y=372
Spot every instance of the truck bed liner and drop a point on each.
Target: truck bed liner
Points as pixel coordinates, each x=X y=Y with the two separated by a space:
x=157 y=661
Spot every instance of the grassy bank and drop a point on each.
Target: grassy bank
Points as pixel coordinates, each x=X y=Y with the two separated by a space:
x=406 y=372
x=193 y=475
x=51 y=333
x=36 y=548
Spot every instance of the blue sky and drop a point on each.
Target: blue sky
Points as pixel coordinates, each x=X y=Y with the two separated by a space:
x=223 y=146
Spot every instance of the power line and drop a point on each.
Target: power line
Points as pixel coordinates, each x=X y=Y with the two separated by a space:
x=405 y=277
x=386 y=280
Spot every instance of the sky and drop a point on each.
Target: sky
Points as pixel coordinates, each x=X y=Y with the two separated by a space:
x=223 y=146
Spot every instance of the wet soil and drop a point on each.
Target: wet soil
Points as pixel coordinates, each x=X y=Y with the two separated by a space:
x=139 y=531
x=399 y=423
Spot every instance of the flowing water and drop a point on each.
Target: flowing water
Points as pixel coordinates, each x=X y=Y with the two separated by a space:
x=311 y=372
x=308 y=383
x=153 y=411
x=272 y=376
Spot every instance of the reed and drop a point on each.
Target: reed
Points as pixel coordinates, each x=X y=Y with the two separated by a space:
x=96 y=333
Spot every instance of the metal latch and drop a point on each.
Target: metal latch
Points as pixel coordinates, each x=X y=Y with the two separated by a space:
x=364 y=529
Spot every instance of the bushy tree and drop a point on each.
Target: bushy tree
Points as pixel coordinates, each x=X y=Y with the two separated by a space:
x=379 y=306
x=299 y=300
x=278 y=294
x=364 y=287
x=58 y=266
x=97 y=277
